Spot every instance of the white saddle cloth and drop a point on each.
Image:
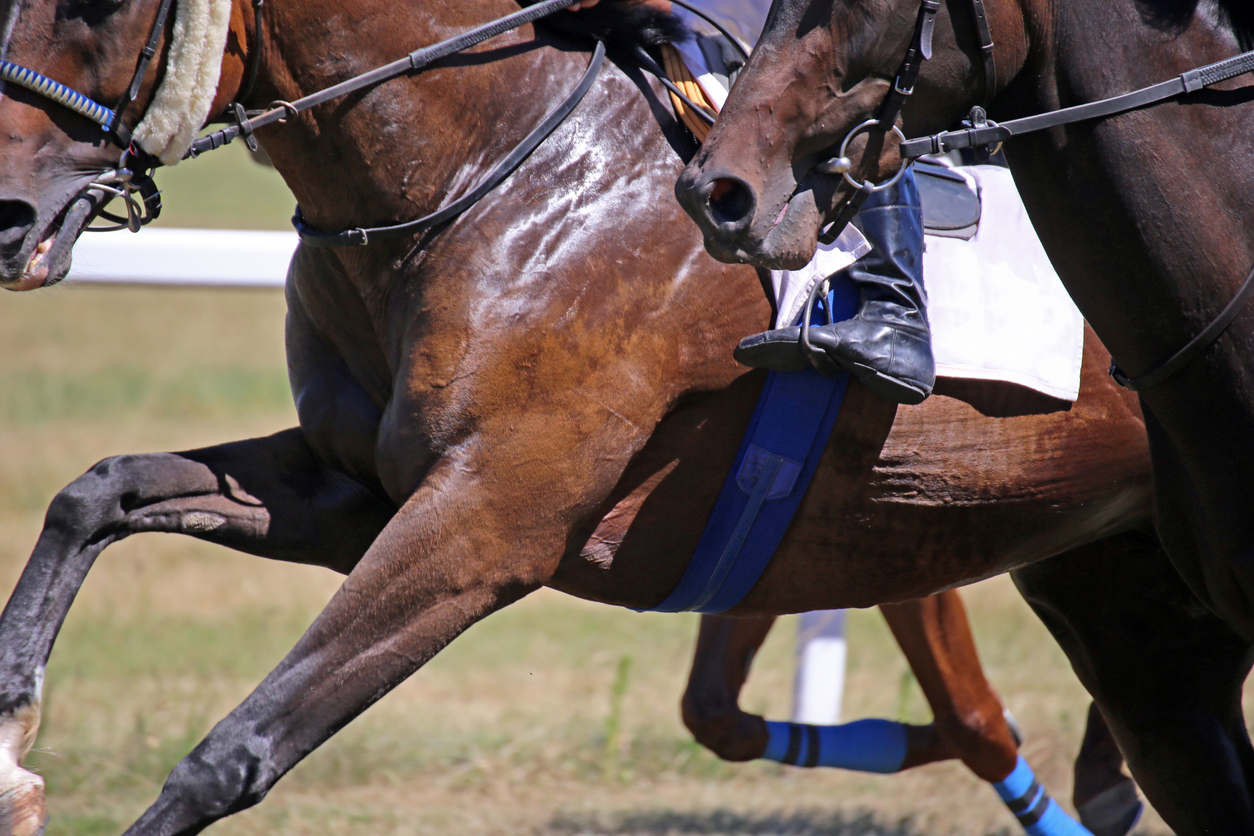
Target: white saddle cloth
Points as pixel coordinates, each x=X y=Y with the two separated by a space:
x=997 y=309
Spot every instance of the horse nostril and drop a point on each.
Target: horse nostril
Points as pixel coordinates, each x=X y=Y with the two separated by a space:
x=16 y=219
x=731 y=201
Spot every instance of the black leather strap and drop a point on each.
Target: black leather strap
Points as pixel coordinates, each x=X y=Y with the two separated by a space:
x=118 y=131
x=985 y=36
x=416 y=60
x=364 y=235
x=1187 y=82
x=1195 y=346
x=920 y=50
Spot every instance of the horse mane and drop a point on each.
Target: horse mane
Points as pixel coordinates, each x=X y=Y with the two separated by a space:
x=621 y=23
x=1175 y=15
x=1240 y=16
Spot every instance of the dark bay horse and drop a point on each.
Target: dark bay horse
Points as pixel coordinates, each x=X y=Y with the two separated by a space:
x=539 y=393
x=1146 y=215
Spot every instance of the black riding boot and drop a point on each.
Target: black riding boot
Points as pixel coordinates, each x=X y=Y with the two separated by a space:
x=887 y=345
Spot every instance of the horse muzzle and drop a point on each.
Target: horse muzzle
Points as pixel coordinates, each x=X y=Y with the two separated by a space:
x=34 y=254
x=741 y=225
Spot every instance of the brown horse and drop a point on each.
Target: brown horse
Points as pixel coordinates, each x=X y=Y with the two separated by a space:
x=968 y=717
x=538 y=393
x=1146 y=216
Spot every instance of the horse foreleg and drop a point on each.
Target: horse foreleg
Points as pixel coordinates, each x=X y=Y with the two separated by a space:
x=711 y=702
x=1166 y=672
x=442 y=563
x=267 y=496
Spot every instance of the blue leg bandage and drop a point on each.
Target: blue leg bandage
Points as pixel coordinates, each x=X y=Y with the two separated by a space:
x=1039 y=814
x=864 y=746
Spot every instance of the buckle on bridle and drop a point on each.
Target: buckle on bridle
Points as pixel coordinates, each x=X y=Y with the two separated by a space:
x=867 y=185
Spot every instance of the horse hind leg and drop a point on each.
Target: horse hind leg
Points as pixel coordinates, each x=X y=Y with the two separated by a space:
x=1105 y=798
x=265 y=496
x=970 y=721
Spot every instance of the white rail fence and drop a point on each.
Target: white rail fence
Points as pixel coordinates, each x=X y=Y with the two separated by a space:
x=236 y=258
x=189 y=257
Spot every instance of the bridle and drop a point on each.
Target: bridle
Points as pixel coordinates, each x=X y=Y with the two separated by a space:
x=980 y=132
x=134 y=173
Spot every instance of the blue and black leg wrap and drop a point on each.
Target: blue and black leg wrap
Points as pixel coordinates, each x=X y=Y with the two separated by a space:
x=863 y=746
x=1039 y=814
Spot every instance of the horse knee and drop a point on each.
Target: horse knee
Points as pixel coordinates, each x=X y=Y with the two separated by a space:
x=213 y=782
x=719 y=725
x=93 y=500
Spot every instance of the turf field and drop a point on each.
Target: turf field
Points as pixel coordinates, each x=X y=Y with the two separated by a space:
x=553 y=717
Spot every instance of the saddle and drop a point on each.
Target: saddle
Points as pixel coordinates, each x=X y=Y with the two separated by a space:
x=951 y=206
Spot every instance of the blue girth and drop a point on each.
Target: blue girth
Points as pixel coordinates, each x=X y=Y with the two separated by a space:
x=777 y=459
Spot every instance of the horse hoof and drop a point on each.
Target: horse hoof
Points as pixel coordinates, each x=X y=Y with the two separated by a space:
x=22 y=808
x=1113 y=812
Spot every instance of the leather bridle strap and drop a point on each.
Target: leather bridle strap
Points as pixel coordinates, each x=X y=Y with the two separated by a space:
x=919 y=51
x=119 y=131
x=1194 y=348
x=364 y=235
x=993 y=133
x=985 y=36
x=416 y=60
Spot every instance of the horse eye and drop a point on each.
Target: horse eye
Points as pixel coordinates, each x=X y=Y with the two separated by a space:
x=89 y=11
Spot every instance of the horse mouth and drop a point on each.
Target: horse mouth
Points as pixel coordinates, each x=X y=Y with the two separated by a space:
x=49 y=259
x=792 y=238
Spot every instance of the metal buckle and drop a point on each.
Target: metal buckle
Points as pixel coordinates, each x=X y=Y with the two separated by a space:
x=1118 y=375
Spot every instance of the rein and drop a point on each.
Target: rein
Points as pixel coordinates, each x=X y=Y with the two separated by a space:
x=364 y=235
x=983 y=132
x=131 y=177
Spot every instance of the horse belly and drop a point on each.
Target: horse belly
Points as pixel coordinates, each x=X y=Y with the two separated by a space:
x=905 y=502
x=956 y=496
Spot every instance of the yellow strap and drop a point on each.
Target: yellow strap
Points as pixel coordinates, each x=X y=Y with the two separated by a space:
x=675 y=67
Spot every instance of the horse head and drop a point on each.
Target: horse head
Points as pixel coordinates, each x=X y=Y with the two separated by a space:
x=766 y=181
x=75 y=88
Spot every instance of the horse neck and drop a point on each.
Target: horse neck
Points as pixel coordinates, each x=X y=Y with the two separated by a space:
x=395 y=151
x=1122 y=205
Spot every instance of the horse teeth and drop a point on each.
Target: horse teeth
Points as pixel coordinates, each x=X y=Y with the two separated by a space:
x=41 y=250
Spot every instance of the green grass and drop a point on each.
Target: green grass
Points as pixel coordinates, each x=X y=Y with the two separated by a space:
x=224 y=189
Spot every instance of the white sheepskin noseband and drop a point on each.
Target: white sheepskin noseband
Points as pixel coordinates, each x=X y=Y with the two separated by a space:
x=193 y=65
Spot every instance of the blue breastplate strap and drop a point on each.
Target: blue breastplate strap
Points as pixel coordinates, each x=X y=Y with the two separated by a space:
x=777 y=459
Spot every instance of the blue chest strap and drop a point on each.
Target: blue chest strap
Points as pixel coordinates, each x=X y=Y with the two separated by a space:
x=773 y=468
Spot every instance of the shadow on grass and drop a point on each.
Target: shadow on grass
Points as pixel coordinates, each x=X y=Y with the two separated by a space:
x=728 y=823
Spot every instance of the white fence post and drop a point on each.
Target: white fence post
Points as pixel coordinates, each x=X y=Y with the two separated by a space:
x=820 y=682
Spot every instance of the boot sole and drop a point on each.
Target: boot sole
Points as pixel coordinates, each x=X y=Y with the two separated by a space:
x=889 y=388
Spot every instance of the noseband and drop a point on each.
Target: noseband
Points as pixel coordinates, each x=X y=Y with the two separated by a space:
x=133 y=174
